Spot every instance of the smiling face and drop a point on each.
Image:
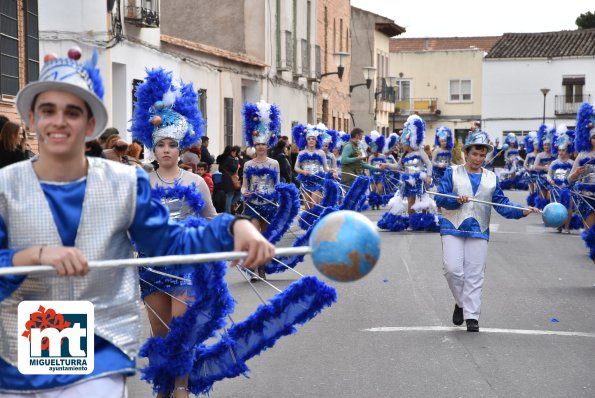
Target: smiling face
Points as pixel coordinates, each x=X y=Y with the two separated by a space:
x=475 y=156
x=167 y=153
x=61 y=121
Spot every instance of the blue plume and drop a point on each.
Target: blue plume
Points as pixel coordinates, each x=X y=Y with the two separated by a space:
x=187 y=105
x=157 y=83
x=576 y=222
x=334 y=139
x=299 y=136
x=531 y=199
x=253 y=122
x=528 y=143
x=424 y=222
x=189 y=193
x=583 y=132
x=441 y=133
x=330 y=198
x=94 y=74
x=393 y=139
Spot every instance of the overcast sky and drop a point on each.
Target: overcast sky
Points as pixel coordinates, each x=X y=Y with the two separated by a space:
x=443 y=18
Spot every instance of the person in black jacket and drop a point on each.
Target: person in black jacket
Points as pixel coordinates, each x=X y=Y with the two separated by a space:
x=279 y=153
x=228 y=165
x=205 y=155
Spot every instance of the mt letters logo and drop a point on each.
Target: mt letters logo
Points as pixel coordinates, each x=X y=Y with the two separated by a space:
x=56 y=337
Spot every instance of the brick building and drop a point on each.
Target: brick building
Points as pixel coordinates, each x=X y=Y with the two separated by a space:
x=19 y=52
x=333 y=102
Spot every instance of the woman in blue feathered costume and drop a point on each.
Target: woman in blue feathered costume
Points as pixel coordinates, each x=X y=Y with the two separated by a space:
x=558 y=172
x=167 y=120
x=582 y=173
x=261 y=186
x=532 y=148
x=311 y=165
x=511 y=173
x=542 y=162
x=376 y=143
x=442 y=154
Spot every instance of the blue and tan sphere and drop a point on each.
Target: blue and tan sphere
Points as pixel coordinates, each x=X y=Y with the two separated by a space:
x=345 y=246
x=554 y=214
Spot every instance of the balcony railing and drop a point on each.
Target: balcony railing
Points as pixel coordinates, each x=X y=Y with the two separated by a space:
x=141 y=17
x=569 y=104
x=420 y=105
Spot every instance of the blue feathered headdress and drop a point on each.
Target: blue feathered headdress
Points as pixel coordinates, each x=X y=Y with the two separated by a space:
x=301 y=132
x=164 y=109
x=563 y=139
x=375 y=141
x=262 y=123
x=414 y=132
x=530 y=139
x=393 y=139
x=585 y=127
x=444 y=133
x=511 y=138
x=546 y=134
x=330 y=137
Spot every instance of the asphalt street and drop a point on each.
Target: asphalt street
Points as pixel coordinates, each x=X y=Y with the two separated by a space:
x=390 y=334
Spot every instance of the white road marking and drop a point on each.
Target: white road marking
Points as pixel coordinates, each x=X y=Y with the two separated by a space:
x=482 y=330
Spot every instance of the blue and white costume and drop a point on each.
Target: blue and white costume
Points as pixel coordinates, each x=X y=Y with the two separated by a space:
x=262 y=124
x=584 y=182
x=441 y=157
x=465 y=230
x=557 y=177
x=164 y=110
x=310 y=160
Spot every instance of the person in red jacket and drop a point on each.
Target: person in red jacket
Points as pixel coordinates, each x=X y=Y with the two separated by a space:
x=202 y=170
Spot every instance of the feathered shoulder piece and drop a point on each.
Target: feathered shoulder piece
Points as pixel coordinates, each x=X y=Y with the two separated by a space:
x=585 y=127
x=262 y=123
x=414 y=132
x=375 y=141
x=444 y=133
x=164 y=109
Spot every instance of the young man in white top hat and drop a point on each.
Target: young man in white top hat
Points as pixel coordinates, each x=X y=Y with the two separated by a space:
x=63 y=209
x=464 y=227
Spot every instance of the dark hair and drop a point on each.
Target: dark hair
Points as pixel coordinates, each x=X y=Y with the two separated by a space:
x=204 y=138
x=284 y=138
x=355 y=132
x=202 y=165
x=3 y=119
x=7 y=136
x=476 y=147
x=237 y=149
x=93 y=149
x=227 y=151
x=280 y=145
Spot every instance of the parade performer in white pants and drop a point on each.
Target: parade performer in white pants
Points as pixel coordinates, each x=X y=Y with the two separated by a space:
x=465 y=227
x=63 y=209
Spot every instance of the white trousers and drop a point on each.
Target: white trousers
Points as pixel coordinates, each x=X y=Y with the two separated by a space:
x=104 y=387
x=463 y=262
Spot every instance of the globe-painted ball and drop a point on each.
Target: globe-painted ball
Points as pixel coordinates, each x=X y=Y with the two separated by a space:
x=345 y=246
x=554 y=214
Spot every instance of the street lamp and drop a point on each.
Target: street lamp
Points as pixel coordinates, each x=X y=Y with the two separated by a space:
x=369 y=72
x=340 y=58
x=544 y=91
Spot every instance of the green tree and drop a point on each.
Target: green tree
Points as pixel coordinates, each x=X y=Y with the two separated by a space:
x=586 y=20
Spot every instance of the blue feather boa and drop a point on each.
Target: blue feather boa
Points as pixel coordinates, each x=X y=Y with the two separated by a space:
x=393 y=222
x=424 y=222
x=586 y=160
x=531 y=198
x=189 y=193
x=296 y=305
x=330 y=198
x=540 y=202
x=289 y=206
x=261 y=172
x=374 y=199
x=307 y=156
x=589 y=239
x=355 y=197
